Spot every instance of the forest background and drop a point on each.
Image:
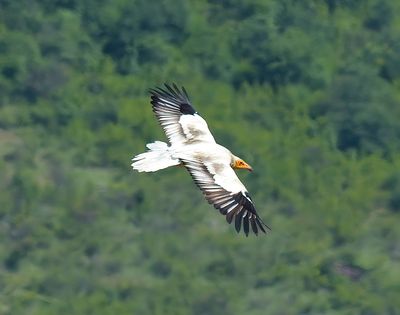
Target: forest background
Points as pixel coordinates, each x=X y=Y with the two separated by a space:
x=307 y=92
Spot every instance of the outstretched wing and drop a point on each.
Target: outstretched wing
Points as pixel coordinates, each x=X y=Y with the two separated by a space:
x=223 y=189
x=180 y=121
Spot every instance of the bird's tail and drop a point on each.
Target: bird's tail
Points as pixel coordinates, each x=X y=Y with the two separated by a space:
x=157 y=158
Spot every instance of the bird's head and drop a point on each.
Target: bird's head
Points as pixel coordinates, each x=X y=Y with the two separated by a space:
x=239 y=163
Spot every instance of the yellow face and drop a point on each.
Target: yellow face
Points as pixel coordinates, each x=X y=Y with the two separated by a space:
x=239 y=163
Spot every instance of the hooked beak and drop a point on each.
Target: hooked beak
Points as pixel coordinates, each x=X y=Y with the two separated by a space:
x=243 y=165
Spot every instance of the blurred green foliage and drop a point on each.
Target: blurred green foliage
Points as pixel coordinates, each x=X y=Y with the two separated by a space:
x=307 y=92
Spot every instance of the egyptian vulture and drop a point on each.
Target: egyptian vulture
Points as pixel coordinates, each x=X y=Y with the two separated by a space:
x=192 y=145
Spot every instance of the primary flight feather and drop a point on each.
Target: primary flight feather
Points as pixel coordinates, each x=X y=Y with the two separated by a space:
x=193 y=146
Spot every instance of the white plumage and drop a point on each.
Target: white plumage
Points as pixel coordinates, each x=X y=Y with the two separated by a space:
x=193 y=146
x=158 y=157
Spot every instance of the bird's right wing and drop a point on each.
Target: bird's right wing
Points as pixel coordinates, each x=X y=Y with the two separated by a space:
x=176 y=115
x=223 y=189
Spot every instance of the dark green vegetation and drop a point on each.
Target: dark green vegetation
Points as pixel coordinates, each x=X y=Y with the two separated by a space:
x=307 y=92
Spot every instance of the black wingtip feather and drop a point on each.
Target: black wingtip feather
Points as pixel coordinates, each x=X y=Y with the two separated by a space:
x=254 y=226
x=238 y=221
x=261 y=224
x=229 y=216
x=246 y=225
x=175 y=87
x=184 y=91
x=170 y=89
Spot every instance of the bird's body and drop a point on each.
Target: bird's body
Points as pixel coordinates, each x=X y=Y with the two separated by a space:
x=206 y=152
x=193 y=146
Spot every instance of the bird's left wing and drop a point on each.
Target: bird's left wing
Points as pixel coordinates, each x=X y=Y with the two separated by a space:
x=223 y=189
x=176 y=115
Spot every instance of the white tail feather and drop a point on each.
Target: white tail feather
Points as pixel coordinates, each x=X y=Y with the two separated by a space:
x=157 y=158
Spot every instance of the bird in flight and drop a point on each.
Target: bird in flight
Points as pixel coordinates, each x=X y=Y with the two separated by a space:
x=211 y=165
